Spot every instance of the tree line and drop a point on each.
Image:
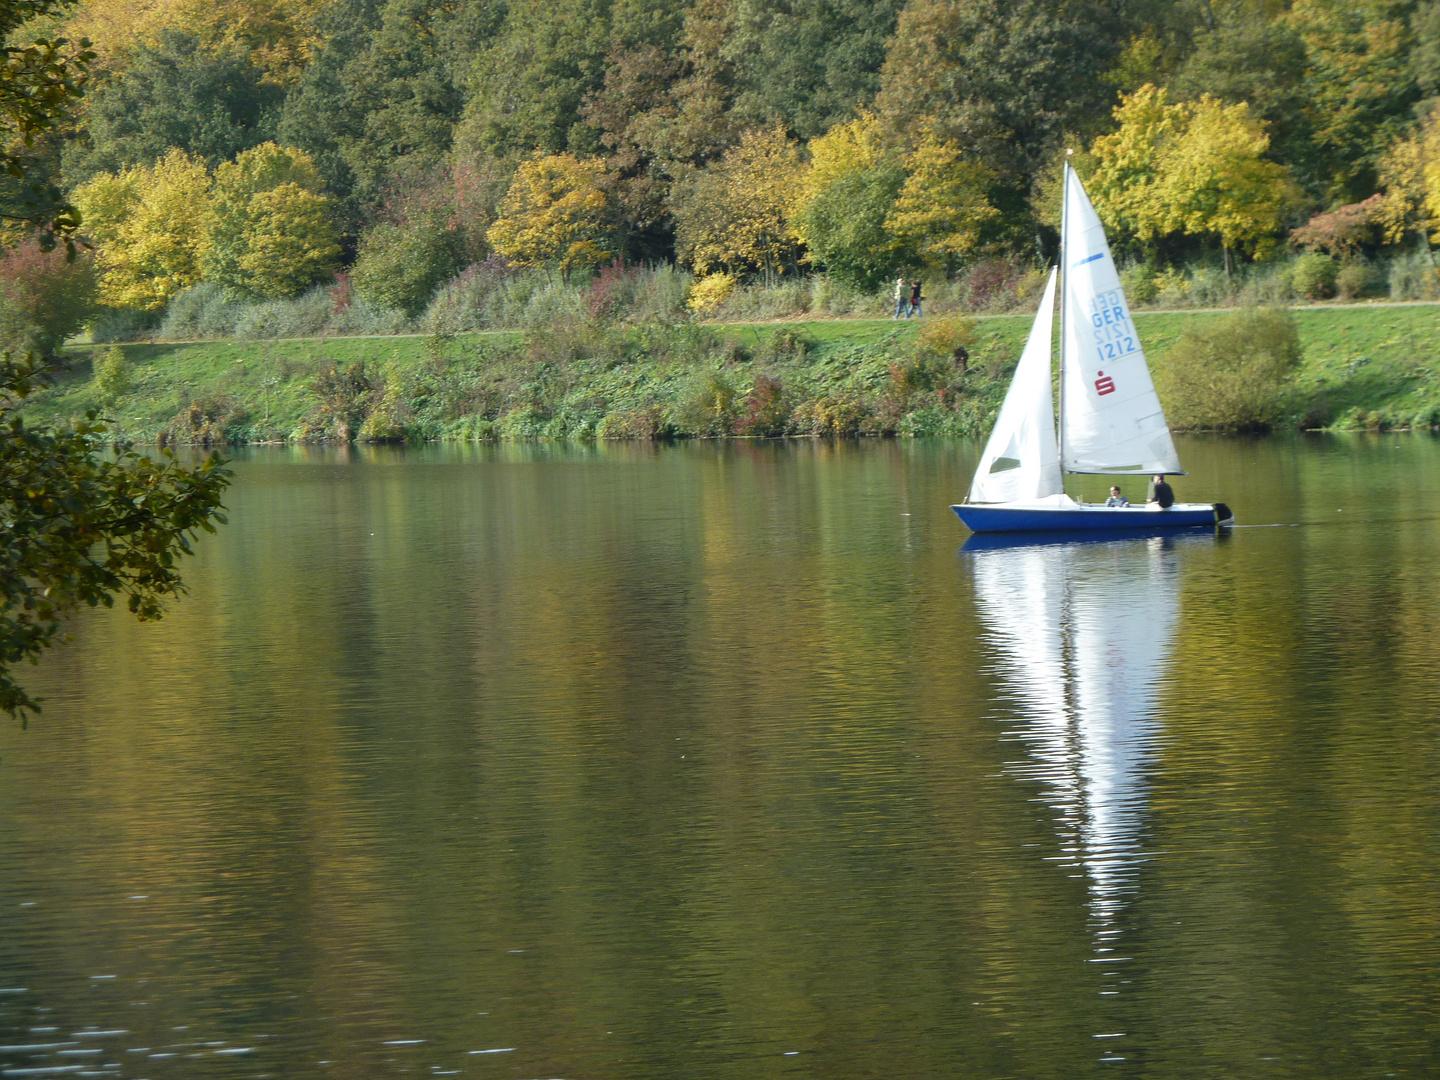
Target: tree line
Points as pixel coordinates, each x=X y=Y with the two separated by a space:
x=264 y=146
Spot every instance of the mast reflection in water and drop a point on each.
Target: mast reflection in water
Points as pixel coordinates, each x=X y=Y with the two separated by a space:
x=1081 y=634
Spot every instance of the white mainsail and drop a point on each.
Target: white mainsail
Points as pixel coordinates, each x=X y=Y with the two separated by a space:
x=1021 y=461
x=1111 y=420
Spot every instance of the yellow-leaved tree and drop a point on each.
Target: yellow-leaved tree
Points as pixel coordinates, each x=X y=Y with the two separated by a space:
x=150 y=227
x=554 y=214
x=736 y=213
x=1127 y=184
x=271 y=232
x=1197 y=168
x=943 y=206
x=281 y=35
x=1410 y=181
x=1220 y=182
x=844 y=149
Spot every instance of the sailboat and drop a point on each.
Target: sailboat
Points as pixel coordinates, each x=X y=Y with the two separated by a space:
x=1110 y=417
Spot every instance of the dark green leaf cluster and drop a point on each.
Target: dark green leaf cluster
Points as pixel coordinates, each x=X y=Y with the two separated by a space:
x=78 y=527
x=213 y=104
x=39 y=82
x=845 y=226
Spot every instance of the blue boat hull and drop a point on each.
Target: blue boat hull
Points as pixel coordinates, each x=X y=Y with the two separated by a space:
x=1081 y=518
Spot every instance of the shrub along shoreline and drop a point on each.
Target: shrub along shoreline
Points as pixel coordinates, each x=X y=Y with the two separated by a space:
x=1322 y=367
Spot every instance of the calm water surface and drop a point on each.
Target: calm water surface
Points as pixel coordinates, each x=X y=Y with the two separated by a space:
x=734 y=762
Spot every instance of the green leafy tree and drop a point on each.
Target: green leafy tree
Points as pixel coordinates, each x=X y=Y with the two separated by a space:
x=39 y=83
x=844 y=226
x=1000 y=79
x=269 y=225
x=808 y=63
x=1231 y=375
x=381 y=99
x=1251 y=56
x=401 y=266
x=82 y=528
x=111 y=379
x=526 y=89
x=174 y=93
x=79 y=528
x=1425 y=55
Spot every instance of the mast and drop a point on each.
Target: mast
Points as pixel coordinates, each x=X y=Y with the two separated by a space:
x=1064 y=291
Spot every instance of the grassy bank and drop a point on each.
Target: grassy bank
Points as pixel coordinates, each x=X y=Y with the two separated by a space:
x=1370 y=366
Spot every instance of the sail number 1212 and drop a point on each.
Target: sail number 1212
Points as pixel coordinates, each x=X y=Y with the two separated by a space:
x=1114 y=333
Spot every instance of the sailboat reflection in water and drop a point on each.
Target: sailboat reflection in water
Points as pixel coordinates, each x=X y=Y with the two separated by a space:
x=1081 y=635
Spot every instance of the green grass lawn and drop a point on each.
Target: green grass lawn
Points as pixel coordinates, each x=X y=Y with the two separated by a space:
x=1372 y=365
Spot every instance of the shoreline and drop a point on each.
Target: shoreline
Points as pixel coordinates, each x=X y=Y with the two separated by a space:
x=1365 y=365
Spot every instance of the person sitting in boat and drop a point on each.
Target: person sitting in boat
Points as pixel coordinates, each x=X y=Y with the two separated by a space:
x=1160 y=492
x=1116 y=499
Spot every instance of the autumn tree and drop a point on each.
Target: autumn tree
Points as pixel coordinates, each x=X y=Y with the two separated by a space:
x=942 y=208
x=735 y=214
x=279 y=35
x=270 y=232
x=637 y=86
x=554 y=214
x=150 y=225
x=45 y=297
x=1359 y=84
x=1197 y=168
x=849 y=147
x=690 y=123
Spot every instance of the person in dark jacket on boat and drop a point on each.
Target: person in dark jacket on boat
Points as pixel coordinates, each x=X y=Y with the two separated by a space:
x=1116 y=499
x=1160 y=492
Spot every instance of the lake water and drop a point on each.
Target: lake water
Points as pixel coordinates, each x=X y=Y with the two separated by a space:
x=733 y=761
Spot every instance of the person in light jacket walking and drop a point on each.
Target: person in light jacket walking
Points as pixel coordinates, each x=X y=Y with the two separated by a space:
x=899 y=297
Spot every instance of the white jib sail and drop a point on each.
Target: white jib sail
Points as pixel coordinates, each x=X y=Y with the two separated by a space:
x=1111 y=420
x=1021 y=461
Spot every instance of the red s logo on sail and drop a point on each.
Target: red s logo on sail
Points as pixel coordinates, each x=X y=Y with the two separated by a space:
x=1104 y=385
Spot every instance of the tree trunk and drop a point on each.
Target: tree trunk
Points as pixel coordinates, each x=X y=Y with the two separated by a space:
x=1229 y=261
